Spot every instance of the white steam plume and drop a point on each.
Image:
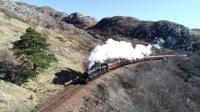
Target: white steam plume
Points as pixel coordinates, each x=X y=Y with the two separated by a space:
x=158 y=43
x=116 y=49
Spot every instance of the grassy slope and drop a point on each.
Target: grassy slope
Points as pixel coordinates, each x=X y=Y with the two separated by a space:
x=69 y=47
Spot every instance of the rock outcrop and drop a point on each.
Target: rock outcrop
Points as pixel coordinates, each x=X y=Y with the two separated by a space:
x=176 y=36
x=79 y=20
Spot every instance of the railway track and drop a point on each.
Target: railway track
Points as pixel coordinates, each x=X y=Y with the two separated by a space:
x=57 y=100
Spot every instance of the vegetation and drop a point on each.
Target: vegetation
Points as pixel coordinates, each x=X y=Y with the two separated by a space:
x=32 y=49
x=13 y=73
x=10 y=68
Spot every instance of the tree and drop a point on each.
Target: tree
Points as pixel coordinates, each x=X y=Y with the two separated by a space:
x=32 y=48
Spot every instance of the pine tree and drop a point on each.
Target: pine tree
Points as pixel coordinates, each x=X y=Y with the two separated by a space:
x=32 y=48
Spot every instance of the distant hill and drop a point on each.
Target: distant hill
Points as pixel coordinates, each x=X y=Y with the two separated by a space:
x=196 y=31
x=176 y=36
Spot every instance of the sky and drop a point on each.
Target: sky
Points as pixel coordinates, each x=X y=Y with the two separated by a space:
x=186 y=12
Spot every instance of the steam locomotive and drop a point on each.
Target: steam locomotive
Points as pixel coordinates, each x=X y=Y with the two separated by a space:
x=100 y=69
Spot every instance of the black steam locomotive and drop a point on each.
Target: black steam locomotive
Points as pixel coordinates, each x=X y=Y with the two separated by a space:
x=94 y=72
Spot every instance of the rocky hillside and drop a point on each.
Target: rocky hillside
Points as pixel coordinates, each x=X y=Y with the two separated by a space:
x=176 y=36
x=69 y=43
x=44 y=16
x=159 y=86
x=79 y=20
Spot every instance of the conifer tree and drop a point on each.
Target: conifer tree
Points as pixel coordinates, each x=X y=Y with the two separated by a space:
x=32 y=48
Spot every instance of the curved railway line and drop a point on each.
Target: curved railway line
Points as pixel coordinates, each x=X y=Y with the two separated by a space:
x=56 y=101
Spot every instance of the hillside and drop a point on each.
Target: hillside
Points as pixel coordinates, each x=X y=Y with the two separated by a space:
x=69 y=43
x=151 y=86
x=169 y=85
x=196 y=30
x=176 y=36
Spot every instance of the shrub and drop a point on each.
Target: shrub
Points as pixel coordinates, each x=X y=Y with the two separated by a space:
x=13 y=73
x=10 y=68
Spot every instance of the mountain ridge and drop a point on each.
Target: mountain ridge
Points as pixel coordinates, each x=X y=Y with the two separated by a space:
x=176 y=36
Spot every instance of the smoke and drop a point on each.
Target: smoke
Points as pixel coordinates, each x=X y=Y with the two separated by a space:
x=116 y=49
x=158 y=43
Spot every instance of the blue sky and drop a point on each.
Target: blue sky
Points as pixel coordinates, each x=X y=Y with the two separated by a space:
x=186 y=12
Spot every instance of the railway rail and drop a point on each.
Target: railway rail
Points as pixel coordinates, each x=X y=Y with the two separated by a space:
x=55 y=101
